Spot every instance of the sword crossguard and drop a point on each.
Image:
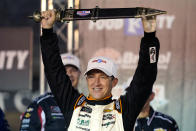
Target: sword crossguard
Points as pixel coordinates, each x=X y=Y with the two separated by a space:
x=95 y=14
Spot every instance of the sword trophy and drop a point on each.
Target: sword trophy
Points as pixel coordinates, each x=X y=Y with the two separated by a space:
x=99 y=13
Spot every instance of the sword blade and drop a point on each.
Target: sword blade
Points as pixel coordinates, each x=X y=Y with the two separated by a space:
x=108 y=13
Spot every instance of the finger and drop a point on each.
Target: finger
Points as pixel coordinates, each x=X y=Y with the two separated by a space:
x=53 y=12
x=143 y=14
x=49 y=14
x=44 y=14
x=152 y=17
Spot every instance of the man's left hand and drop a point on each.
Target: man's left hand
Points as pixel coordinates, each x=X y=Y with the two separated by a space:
x=149 y=23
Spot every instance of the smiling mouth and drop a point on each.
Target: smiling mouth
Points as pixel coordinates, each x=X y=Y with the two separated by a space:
x=97 y=89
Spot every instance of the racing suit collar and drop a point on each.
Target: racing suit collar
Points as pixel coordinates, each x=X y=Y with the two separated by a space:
x=103 y=101
x=151 y=116
x=151 y=112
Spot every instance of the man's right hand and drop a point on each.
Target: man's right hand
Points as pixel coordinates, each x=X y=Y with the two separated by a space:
x=48 y=19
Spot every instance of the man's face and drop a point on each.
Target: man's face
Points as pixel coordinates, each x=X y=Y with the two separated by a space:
x=99 y=84
x=74 y=75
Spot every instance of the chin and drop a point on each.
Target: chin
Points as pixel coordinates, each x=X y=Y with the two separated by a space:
x=97 y=97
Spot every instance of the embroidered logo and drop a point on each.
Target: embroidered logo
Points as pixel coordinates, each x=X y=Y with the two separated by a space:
x=107 y=110
x=29 y=109
x=99 y=61
x=83 y=122
x=82 y=99
x=109 y=117
x=83 y=13
x=55 y=109
x=27 y=115
x=152 y=52
x=86 y=109
x=160 y=129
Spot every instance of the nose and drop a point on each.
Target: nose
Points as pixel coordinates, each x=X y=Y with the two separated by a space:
x=69 y=73
x=97 y=81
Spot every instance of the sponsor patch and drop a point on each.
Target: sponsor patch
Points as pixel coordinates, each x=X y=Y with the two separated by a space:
x=108 y=123
x=55 y=109
x=160 y=129
x=152 y=52
x=83 y=122
x=86 y=109
x=83 y=13
x=57 y=117
x=30 y=109
x=80 y=101
x=57 y=114
x=107 y=110
x=85 y=129
x=25 y=126
x=117 y=105
x=27 y=115
x=109 y=117
x=85 y=115
x=26 y=121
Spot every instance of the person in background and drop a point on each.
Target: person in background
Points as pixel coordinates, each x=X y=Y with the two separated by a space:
x=4 y=126
x=151 y=120
x=44 y=113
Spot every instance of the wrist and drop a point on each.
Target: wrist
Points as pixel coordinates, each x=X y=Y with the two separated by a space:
x=149 y=34
x=47 y=31
x=47 y=27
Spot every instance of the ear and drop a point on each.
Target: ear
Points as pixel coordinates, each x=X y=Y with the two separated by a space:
x=114 y=82
x=152 y=95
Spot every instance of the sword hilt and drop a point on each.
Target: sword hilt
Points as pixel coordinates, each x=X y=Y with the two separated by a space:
x=148 y=12
x=37 y=16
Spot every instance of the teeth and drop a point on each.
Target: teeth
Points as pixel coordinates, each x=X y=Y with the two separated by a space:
x=97 y=89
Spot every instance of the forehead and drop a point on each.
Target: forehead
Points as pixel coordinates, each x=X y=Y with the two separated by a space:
x=95 y=71
x=71 y=67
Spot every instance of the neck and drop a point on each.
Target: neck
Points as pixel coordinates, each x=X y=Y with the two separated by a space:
x=144 y=113
x=91 y=98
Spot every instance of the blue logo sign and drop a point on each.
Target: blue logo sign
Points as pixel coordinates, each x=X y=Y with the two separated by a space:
x=133 y=27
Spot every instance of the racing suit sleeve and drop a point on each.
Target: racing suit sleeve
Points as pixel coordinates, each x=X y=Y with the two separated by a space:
x=55 y=72
x=143 y=79
x=31 y=119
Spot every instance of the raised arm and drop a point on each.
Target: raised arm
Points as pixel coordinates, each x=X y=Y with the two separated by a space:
x=145 y=74
x=58 y=80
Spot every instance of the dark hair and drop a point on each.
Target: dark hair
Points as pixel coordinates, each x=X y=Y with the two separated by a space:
x=72 y=66
x=112 y=77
